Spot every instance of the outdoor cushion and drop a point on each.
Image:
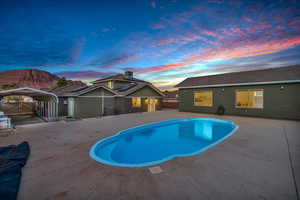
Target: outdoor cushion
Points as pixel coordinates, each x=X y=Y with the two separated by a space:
x=12 y=159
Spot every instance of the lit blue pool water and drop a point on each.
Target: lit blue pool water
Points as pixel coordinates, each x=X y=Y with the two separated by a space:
x=158 y=142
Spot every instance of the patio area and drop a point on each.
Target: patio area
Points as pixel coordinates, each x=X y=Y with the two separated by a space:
x=260 y=161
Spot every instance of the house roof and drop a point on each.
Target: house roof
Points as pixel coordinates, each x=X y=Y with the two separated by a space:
x=65 y=89
x=257 y=77
x=122 y=91
x=137 y=87
x=118 y=77
x=132 y=86
x=86 y=89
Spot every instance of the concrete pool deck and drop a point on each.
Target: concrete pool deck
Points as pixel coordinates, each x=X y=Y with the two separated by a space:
x=260 y=161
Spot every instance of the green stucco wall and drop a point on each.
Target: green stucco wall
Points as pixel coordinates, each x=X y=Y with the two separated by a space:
x=278 y=103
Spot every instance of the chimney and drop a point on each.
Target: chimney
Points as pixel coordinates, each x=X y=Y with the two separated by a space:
x=129 y=75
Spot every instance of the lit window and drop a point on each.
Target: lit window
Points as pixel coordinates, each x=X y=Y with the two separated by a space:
x=203 y=98
x=110 y=84
x=136 y=102
x=249 y=98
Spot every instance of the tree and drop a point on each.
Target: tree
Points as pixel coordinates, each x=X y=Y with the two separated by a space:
x=62 y=82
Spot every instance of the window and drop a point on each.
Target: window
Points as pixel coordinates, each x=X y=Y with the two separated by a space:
x=203 y=98
x=249 y=98
x=110 y=84
x=136 y=102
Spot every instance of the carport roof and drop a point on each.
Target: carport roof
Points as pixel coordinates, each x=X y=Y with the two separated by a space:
x=34 y=93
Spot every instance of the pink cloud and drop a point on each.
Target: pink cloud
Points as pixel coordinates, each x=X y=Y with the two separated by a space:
x=153 y=4
x=158 y=26
x=279 y=27
x=166 y=41
x=166 y=67
x=89 y=74
x=182 y=19
x=193 y=37
x=237 y=31
x=229 y=50
x=119 y=60
x=247 y=19
x=294 y=23
x=258 y=27
x=183 y=39
x=77 y=49
x=243 y=49
x=235 y=39
x=234 y=31
x=108 y=29
x=215 y=1
x=104 y=30
x=163 y=84
x=212 y=34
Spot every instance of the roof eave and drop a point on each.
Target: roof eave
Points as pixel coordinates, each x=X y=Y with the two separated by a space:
x=100 y=86
x=150 y=85
x=239 y=84
x=112 y=79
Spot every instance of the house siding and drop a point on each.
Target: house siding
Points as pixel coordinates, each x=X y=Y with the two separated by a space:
x=122 y=105
x=62 y=107
x=278 y=103
x=87 y=107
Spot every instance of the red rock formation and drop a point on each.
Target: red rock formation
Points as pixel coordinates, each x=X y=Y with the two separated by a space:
x=32 y=78
x=28 y=78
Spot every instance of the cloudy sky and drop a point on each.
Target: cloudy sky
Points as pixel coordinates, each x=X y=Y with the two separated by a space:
x=160 y=41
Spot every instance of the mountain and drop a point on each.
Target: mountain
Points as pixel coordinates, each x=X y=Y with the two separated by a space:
x=30 y=78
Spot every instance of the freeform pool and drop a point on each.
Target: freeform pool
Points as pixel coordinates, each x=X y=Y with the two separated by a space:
x=158 y=142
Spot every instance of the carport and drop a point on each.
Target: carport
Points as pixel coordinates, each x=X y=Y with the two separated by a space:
x=45 y=104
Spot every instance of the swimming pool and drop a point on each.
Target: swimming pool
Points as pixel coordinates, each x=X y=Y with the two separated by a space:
x=158 y=142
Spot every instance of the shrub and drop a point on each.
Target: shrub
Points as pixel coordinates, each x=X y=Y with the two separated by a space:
x=221 y=110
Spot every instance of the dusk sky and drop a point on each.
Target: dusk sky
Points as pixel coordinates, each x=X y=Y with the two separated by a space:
x=160 y=41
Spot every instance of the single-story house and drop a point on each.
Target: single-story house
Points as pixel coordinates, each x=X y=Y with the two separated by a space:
x=271 y=93
x=118 y=94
